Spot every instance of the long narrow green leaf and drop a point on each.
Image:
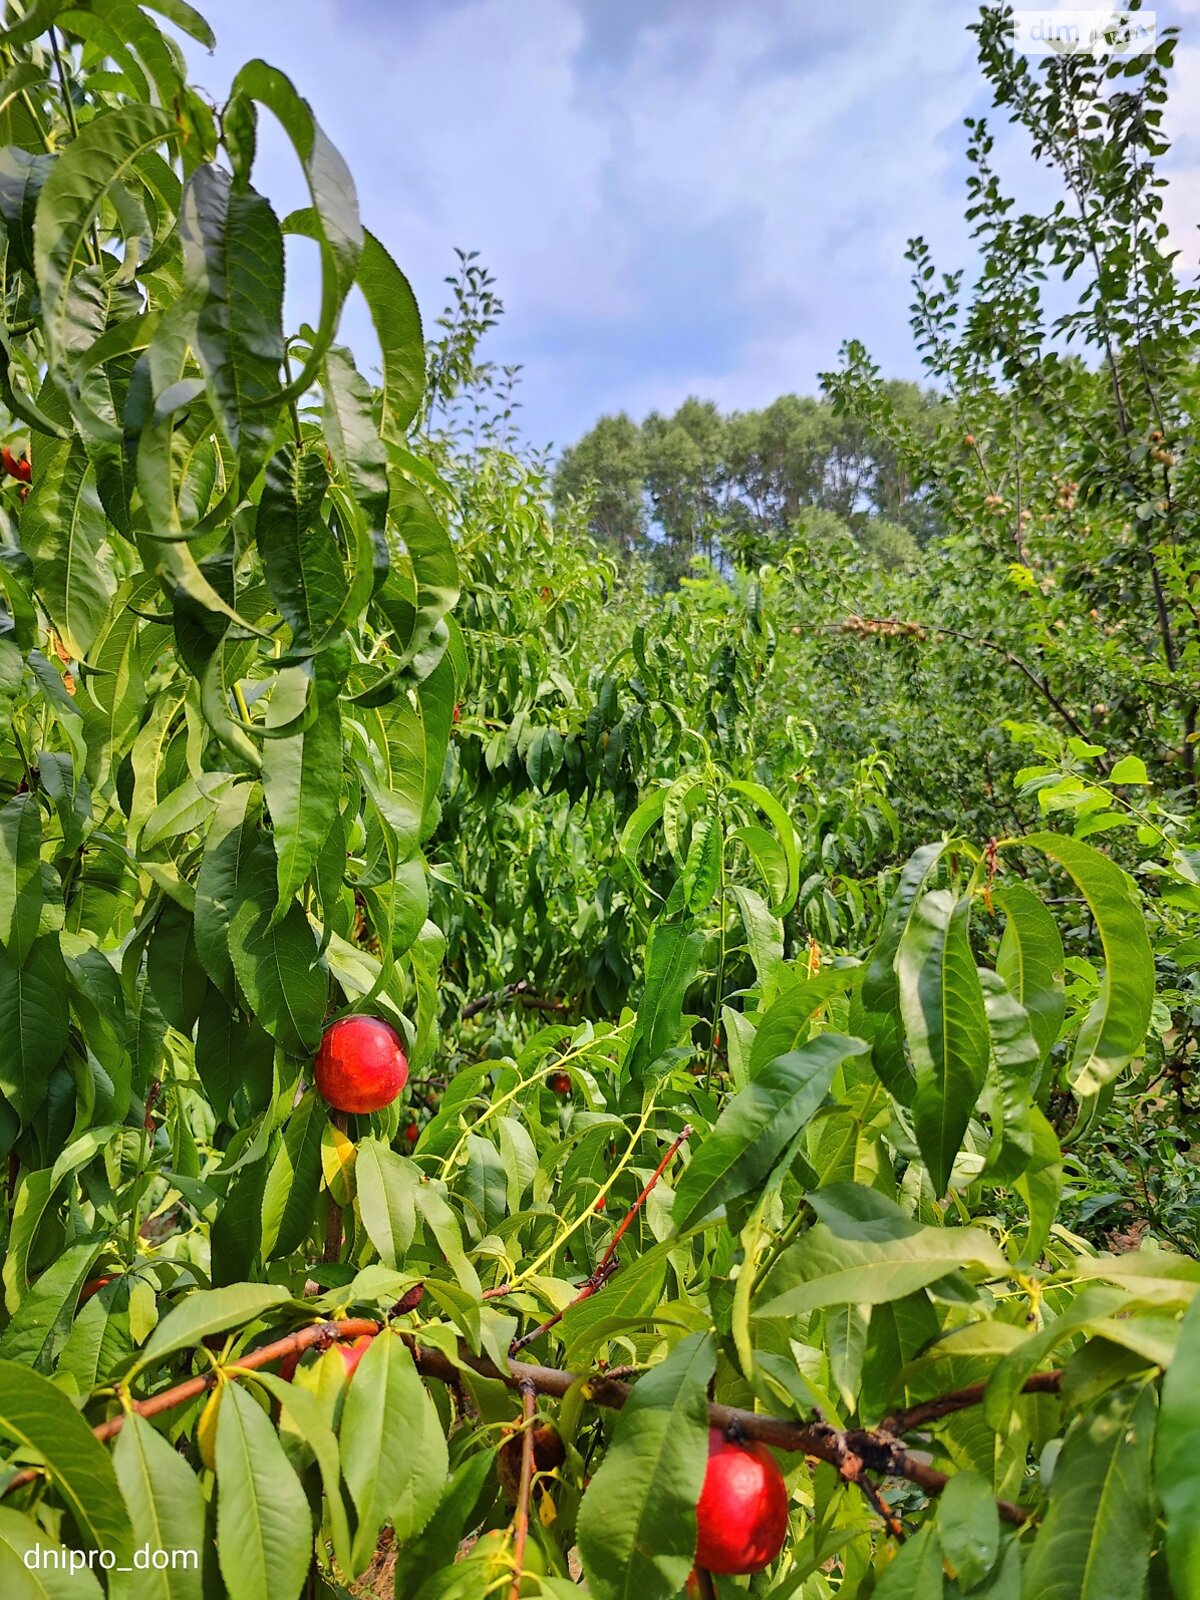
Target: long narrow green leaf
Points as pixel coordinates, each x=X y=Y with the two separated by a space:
x=880 y=991
x=167 y=1508
x=28 y=1558
x=38 y=1331
x=1177 y=1456
x=233 y=262
x=208 y=1311
x=832 y=1266
x=276 y=960
x=394 y=1455
x=1115 y=1028
x=41 y=1416
x=941 y=1002
x=305 y=1413
x=231 y=837
x=672 y=956
x=63 y=531
x=421 y=549
x=758 y=1124
x=301 y=559
x=20 y=875
x=302 y=777
x=397 y=320
x=34 y=1021
x=785 y=832
x=264 y=1525
x=290 y=1197
x=1015 y=1055
x=334 y=202
x=1094 y=1542
x=358 y=454
x=1030 y=961
x=102 y=155
x=387 y=1185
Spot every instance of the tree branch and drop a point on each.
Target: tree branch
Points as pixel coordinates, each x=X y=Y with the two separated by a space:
x=915 y=628
x=902 y=1422
x=522 y=992
x=852 y=1451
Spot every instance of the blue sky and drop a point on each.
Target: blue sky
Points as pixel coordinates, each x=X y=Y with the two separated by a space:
x=676 y=196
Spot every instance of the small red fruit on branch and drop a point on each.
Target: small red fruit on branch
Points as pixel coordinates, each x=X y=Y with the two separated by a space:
x=353 y=1353
x=361 y=1065
x=560 y=1082
x=16 y=467
x=412 y=1133
x=742 y=1516
x=93 y=1286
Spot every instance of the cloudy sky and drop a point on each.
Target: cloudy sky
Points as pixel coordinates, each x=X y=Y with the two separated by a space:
x=676 y=196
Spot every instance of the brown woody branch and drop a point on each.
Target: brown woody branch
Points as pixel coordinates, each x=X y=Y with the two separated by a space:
x=522 y=992
x=637 y=1205
x=318 y=1335
x=881 y=1508
x=852 y=1451
x=590 y=1286
x=902 y=1422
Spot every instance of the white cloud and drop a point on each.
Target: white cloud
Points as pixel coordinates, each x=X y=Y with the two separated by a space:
x=712 y=207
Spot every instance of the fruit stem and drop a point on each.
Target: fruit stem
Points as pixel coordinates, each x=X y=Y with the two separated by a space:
x=333 y=1222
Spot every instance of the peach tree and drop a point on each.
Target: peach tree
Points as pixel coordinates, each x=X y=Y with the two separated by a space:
x=259 y=1346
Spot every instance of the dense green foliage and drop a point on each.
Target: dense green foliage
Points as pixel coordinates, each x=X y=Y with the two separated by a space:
x=796 y=948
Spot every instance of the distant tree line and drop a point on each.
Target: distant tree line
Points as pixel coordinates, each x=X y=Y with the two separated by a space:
x=732 y=486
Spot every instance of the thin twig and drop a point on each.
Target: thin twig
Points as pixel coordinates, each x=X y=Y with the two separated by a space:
x=902 y=1422
x=521 y=1523
x=522 y=992
x=1040 y=684
x=587 y=1289
x=608 y=1263
x=890 y=1520
x=641 y=1199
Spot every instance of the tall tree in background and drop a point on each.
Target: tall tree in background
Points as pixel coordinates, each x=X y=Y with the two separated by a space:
x=732 y=487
